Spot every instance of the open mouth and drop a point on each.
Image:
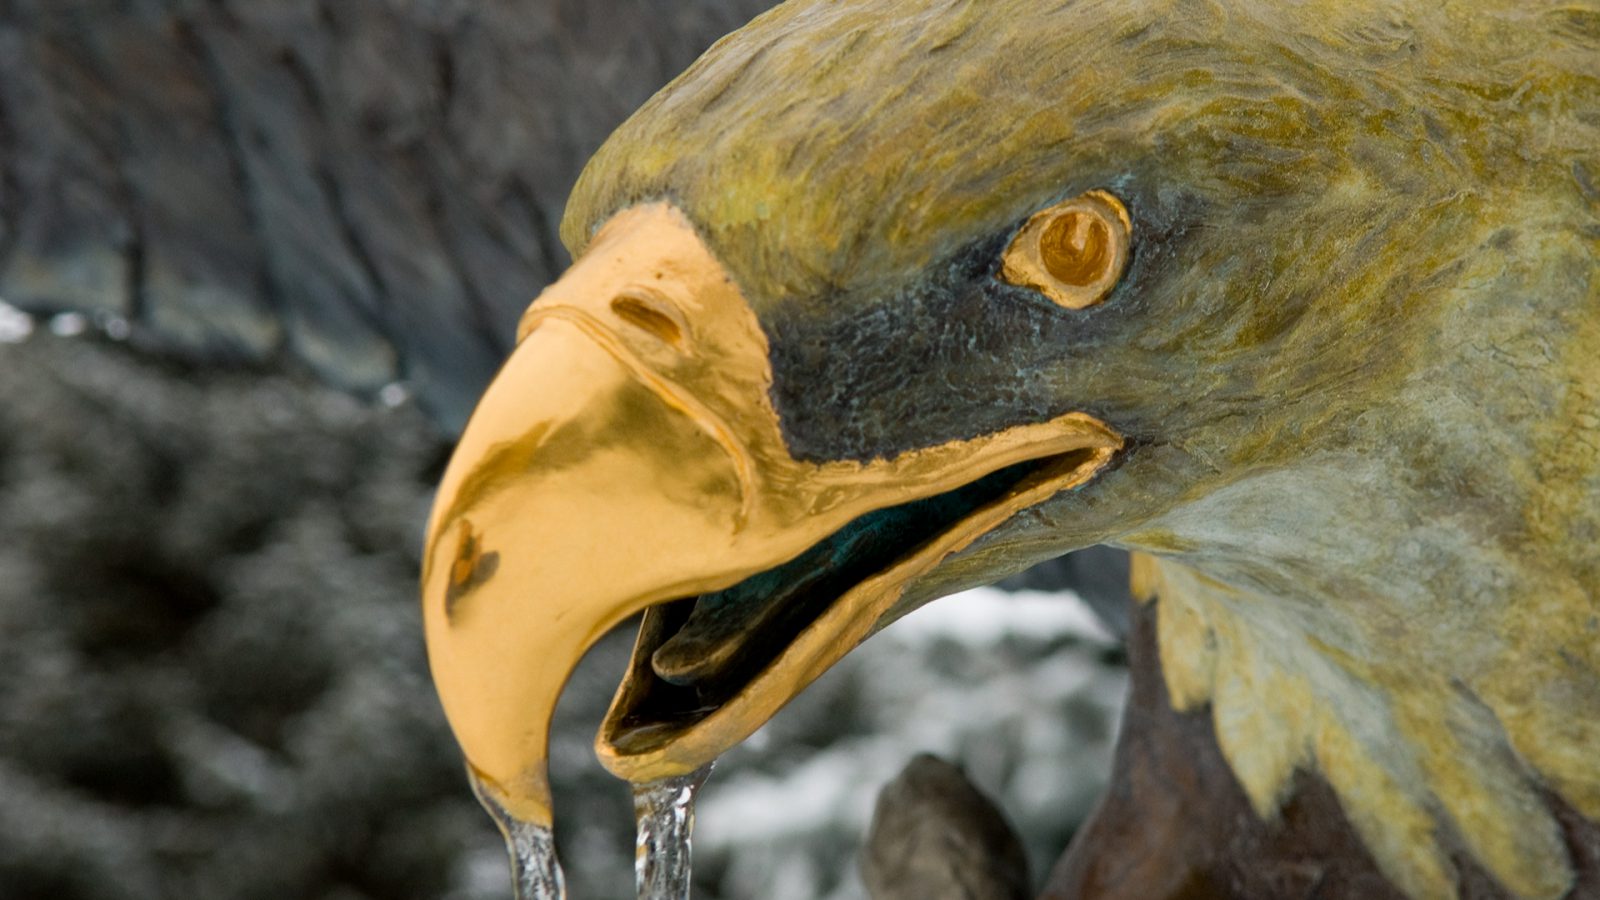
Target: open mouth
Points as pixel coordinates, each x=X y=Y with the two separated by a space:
x=617 y=465
x=695 y=655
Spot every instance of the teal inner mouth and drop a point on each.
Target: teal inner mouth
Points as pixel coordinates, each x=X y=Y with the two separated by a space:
x=728 y=636
x=696 y=654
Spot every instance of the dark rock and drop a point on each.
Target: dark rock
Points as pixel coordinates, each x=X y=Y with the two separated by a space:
x=934 y=836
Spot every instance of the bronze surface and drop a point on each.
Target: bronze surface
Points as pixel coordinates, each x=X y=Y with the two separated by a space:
x=1355 y=351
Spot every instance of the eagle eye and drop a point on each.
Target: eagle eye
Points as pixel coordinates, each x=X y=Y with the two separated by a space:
x=1073 y=252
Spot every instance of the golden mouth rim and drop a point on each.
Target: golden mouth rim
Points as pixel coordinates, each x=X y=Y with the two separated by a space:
x=640 y=750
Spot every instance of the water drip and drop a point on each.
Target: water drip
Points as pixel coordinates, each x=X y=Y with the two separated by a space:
x=664 y=812
x=535 y=869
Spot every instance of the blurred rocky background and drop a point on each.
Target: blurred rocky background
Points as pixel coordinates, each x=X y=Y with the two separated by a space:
x=256 y=259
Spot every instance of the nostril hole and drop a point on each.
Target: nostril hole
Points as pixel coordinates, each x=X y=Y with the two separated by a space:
x=642 y=313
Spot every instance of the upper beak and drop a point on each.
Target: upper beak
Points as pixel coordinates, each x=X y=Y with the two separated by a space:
x=629 y=455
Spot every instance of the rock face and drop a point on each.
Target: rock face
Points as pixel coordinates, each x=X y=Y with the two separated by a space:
x=371 y=188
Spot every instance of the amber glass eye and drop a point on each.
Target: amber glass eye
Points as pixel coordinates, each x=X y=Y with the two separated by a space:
x=1074 y=252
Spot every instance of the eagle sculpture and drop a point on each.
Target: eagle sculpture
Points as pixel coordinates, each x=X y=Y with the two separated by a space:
x=882 y=300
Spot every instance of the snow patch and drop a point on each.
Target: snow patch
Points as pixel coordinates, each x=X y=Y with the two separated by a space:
x=116 y=327
x=68 y=324
x=15 y=325
x=987 y=615
x=394 y=394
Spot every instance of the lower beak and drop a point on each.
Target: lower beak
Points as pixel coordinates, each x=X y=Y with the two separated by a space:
x=628 y=456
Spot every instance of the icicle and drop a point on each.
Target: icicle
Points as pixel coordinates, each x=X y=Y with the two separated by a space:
x=664 y=811
x=535 y=869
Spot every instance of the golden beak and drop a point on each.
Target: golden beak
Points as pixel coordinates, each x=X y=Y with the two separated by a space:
x=629 y=455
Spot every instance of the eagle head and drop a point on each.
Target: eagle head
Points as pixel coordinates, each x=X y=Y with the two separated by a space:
x=878 y=301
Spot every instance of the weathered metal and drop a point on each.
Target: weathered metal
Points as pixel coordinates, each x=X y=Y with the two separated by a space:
x=1355 y=353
